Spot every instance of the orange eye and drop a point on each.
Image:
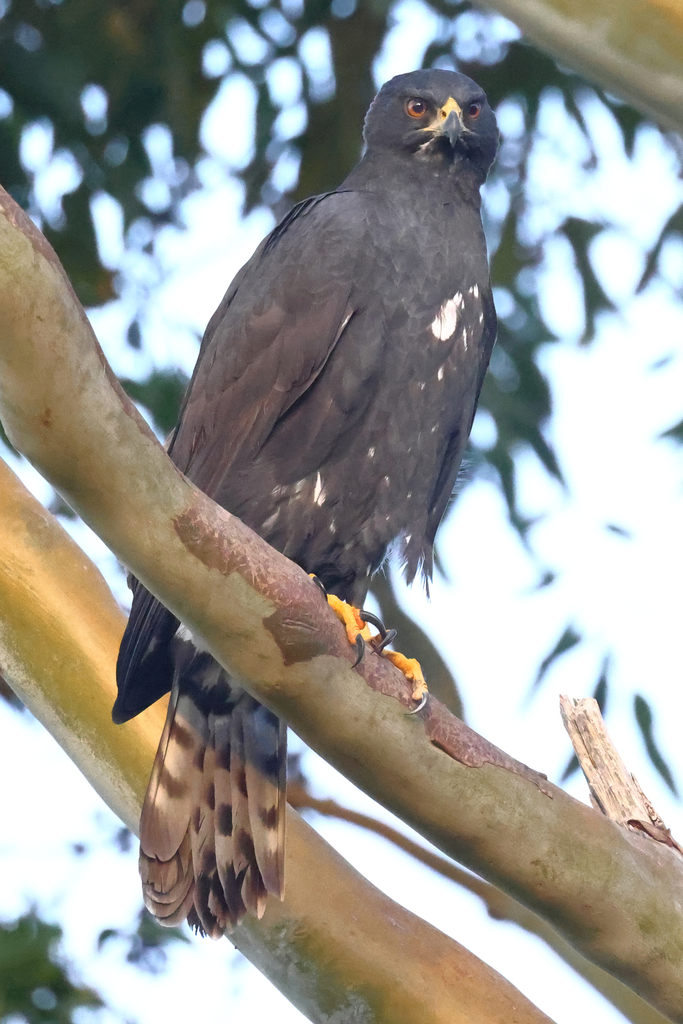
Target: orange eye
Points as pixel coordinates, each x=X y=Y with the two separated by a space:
x=416 y=107
x=474 y=110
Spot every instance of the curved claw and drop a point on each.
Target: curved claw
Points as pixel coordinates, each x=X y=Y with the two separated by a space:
x=374 y=621
x=386 y=636
x=360 y=644
x=319 y=584
x=384 y=641
x=423 y=701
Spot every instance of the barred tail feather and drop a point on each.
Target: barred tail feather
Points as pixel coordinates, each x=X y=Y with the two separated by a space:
x=265 y=759
x=223 y=820
x=212 y=825
x=243 y=850
x=175 y=783
x=168 y=886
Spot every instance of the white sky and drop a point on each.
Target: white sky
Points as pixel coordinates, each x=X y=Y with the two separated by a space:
x=491 y=621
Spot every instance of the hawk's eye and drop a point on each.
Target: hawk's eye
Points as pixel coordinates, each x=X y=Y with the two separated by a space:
x=416 y=107
x=474 y=110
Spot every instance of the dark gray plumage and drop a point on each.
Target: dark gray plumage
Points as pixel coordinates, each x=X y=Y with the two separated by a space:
x=329 y=409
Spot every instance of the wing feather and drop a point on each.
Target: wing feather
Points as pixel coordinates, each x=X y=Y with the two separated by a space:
x=271 y=341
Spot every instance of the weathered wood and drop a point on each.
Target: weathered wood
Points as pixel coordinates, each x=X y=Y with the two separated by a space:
x=613 y=790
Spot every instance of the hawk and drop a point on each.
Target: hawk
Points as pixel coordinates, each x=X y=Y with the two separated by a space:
x=329 y=409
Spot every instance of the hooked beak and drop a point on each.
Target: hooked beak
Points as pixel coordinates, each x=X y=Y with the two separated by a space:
x=447 y=122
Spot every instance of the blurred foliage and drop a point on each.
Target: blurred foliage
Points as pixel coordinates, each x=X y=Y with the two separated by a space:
x=35 y=982
x=146 y=944
x=160 y=393
x=570 y=638
x=645 y=720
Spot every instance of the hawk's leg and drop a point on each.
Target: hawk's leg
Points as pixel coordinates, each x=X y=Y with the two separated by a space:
x=358 y=631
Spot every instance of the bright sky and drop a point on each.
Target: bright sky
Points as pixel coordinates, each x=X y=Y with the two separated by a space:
x=612 y=400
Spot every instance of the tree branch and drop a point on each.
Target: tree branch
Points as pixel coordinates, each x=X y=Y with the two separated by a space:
x=499 y=905
x=633 y=48
x=613 y=790
x=613 y=895
x=336 y=945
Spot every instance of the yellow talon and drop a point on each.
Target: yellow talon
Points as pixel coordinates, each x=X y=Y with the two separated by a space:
x=412 y=670
x=356 y=626
x=350 y=616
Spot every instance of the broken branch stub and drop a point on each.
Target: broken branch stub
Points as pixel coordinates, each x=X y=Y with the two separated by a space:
x=613 y=790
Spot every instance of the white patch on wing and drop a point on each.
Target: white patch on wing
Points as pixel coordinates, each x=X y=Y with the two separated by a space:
x=445 y=321
x=464 y=338
x=443 y=324
x=319 y=491
x=440 y=373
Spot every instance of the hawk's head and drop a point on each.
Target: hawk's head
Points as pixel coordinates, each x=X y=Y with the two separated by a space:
x=434 y=114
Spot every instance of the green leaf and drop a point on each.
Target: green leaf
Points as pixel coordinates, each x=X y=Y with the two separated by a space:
x=580 y=234
x=35 y=979
x=161 y=393
x=644 y=718
x=675 y=433
x=674 y=225
x=570 y=638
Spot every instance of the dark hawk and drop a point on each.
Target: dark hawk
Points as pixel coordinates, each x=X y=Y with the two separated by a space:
x=329 y=409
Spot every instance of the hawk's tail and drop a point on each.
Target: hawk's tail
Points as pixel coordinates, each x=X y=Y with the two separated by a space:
x=212 y=832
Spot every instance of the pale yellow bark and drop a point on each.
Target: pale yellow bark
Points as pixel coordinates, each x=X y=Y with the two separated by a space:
x=633 y=48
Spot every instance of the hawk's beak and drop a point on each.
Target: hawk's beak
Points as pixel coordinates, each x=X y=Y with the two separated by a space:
x=447 y=122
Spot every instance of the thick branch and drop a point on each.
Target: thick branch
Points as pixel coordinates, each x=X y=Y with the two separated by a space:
x=60 y=631
x=633 y=48
x=613 y=895
x=499 y=905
